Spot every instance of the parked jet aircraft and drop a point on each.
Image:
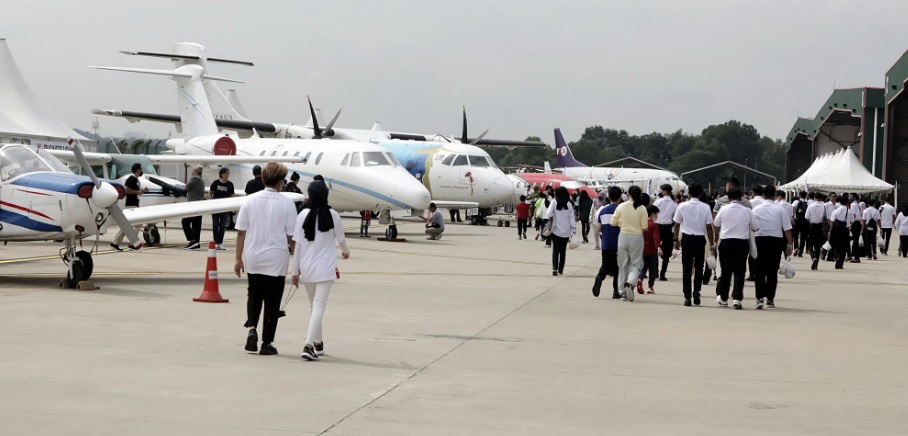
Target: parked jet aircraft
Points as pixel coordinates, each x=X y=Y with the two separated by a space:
x=351 y=169
x=41 y=199
x=647 y=178
x=546 y=180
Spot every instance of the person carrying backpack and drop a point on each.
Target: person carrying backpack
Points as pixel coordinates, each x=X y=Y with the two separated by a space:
x=801 y=225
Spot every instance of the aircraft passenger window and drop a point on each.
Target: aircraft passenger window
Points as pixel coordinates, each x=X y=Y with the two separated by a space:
x=319 y=158
x=262 y=153
x=296 y=154
x=479 y=161
x=356 y=160
x=375 y=158
x=346 y=160
x=274 y=152
x=306 y=159
x=448 y=159
x=285 y=153
x=460 y=160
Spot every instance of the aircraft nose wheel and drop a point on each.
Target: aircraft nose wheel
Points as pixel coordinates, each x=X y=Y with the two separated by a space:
x=75 y=274
x=391 y=232
x=151 y=235
x=88 y=265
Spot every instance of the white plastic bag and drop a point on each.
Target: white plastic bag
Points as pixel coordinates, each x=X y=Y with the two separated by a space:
x=860 y=240
x=827 y=246
x=786 y=269
x=575 y=242
x=711 y=262
x=753 y=245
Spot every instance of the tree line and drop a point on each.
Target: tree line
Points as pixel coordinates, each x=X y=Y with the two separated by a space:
x=678 y=151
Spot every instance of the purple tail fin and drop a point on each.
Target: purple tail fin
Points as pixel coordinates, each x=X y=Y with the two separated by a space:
x=565 y=159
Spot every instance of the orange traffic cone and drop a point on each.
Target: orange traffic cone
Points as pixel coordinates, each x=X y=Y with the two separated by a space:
x=210 y=294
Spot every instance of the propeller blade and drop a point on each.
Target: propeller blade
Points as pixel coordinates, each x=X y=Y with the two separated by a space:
x=443 y=136
x=124 y=225
x=333 y=120
x=83 y=162
x=479 y=138
x=318 y=132
x=463 y=137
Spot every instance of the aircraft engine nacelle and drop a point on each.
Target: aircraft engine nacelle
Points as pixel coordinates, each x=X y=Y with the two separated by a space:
x=303 y=132
x=220 y=145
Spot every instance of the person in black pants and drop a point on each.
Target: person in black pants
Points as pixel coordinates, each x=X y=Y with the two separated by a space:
x=838 y=232
x=774 y=233
x=563 y=227
x=693 y=225
x=734 y=222
x=816 y=237
x=667 y=206
x=801 y=231
x=855 y=250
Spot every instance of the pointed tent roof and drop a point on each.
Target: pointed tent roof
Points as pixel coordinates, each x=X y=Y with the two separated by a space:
x=20 y=110
x=837 y=172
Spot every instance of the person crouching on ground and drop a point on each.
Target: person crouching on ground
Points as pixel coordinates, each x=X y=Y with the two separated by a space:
x=317 y=229
x=651 y=250
x=435 y=223
x=264 y=230
x=561 y=213
x=632 y=217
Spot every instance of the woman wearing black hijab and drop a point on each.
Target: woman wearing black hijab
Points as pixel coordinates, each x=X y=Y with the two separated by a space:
x=561 y=213
x=318 y=228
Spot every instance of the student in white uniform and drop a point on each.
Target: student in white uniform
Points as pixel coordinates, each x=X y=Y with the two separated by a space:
x=693 y=226
x=839 y=223
x=771 y=238
x=831 y=205
x=870 y=223
x=667 y=206
x=854 y=209
x=734 y=223
x=264 y=229
x=887 y=220
x=816 y=237
x=901 y=226
x=318 y=229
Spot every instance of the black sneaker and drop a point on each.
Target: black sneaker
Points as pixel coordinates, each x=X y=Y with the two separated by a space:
x=115 y=247
x=252 y=341
x=597 y=286
x=615 y=295
x=759 y=305
x=696 y=298
x=309 y=353
x=320 y=348
x=194 y=246
x=814 y=264
x=663 y=279
x=770 y=304
x=133 y=248
x=687 y=302
x=267 y=349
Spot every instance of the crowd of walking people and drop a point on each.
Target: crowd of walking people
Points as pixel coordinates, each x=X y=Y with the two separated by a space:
x=737 y=237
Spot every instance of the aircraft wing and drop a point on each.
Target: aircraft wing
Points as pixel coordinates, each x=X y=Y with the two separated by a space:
x=102 y=158
x=69 y=156
x=155 y=214
x=456 y=204
x=237 y=125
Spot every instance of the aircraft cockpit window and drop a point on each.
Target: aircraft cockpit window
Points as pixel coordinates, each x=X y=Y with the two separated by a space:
x=449 y=159
x=392 y=159
x=346 y=160
x=375 y=158
x=15 y=161
x=479 y=161
x=460 y=160
x=52 y=161
x=356 y=160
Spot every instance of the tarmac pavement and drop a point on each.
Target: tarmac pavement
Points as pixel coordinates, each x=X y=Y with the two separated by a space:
x=467 y=335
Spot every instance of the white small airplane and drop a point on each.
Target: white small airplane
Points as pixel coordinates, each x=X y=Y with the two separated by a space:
x=362 y=176
x=41 y=200
x=457 y=173
x=649 y=179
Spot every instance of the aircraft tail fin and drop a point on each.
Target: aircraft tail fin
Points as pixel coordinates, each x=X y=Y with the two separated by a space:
x=565 y=159
x=547 y=167
x=195 y=111
x=234 y=101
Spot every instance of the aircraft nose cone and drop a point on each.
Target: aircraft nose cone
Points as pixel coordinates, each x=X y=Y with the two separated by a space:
x=502 y=190
x=105 y=196
x=416 y=196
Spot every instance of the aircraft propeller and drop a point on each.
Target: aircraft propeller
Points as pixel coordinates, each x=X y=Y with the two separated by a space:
x=328 y=131
x=101 y=190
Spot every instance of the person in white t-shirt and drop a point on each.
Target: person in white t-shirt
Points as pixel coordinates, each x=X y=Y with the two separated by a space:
x=264 y=227
x=887 y=220
x=317 y=229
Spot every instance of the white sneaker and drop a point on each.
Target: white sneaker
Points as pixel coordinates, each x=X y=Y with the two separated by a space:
x=759 y=305
x=629 y=291
x=721 y=302
x=736 y=304
x=220 y=247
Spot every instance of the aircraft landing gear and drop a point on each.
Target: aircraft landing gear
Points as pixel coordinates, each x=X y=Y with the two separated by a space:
x=80 y=265
x=391 y=230
x=151 y=235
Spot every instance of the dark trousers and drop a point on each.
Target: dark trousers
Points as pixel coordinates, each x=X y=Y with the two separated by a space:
x=522 y=227
x=559 y=249
x=856 y=249
x=870 y=242
x=903 y=245
x=769 y=254
x=219 y=226
x=816 y=239
x=650 y=268
x=801 y=234
x=667 y=240
x=585 y=228
x=267 y=290
x=692 y=257
x=733 y=254
x=887 y=233
x=609 y=268
x=192 y=228
x=455 y=215
x=839 y=242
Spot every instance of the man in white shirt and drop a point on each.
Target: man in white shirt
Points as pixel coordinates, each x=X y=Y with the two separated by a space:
x=870 y=222
x=839 y=223
x=800 y=227
x=816 y=219
x=734 y=223
x=887 y=220
x=265 y=227
x=665 y=221
x=831 y=205
x=693 y=225
x=756 y=197
x=774 y=233
x=854 y=209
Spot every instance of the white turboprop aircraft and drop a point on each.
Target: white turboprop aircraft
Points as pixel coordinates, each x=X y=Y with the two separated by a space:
x=41 y=199
x=457 y=173
x=361 y=176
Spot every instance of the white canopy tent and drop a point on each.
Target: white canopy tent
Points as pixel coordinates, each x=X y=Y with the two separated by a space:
x=838 y=172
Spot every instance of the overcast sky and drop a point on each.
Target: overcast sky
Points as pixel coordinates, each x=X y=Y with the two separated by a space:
x=520 y=67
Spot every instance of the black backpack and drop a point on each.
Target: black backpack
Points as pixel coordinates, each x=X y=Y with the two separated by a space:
x=801 y=212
